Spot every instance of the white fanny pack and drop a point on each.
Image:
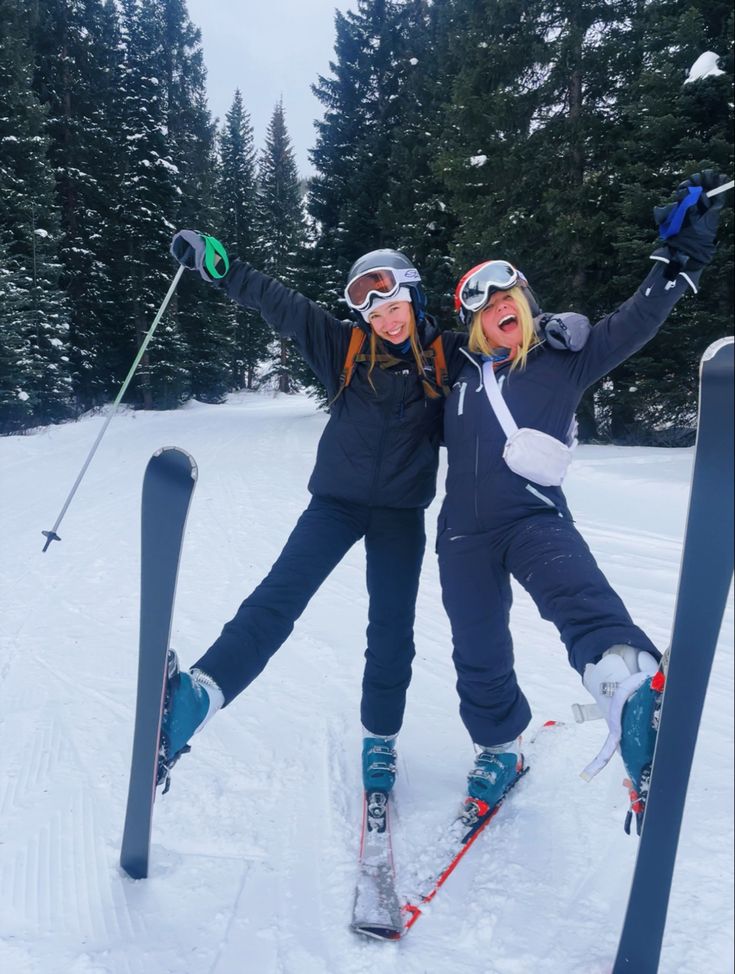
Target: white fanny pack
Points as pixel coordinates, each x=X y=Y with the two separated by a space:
x=529 y=452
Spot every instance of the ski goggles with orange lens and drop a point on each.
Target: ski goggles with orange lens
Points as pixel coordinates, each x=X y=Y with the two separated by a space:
x=478 y=284
x=380 y=282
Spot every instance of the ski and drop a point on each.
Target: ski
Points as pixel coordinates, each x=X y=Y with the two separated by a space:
x=472 y=820
x=704 y=583
x=377 y=910
x=168 y=485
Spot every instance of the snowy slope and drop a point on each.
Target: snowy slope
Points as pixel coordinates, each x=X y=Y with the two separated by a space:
x=255 y=845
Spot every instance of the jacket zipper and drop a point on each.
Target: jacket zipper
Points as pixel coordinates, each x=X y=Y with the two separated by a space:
x=477 y=465
x=403 y=399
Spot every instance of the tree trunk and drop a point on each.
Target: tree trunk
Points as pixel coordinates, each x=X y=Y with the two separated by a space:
x=284 y=380
x=577 y=158
x=586 y=418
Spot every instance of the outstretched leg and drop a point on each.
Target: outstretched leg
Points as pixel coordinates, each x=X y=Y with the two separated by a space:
x=323 y=535
x=617 y=660
x=552 y=561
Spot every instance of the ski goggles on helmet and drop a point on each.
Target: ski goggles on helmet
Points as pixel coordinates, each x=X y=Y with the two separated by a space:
x=474 y=290
x=379 y=282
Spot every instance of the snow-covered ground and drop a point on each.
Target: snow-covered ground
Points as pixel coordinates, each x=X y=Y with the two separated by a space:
x=254 y=847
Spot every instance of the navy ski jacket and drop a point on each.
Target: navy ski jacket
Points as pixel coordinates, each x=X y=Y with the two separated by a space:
x=483 y=493
x=380 y=446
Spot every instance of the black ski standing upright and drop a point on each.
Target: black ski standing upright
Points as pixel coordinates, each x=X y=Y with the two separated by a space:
x=167 y=488
x=704 y=583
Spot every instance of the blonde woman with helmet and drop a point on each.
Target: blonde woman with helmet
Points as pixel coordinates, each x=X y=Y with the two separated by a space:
x=510 y=432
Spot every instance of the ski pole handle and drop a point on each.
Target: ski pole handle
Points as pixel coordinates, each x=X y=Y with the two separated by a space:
x=675 y=220
x=721 y=189
x=52 y=534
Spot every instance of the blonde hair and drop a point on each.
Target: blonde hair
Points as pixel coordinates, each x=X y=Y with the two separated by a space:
x=479 y=344
x=415 y=347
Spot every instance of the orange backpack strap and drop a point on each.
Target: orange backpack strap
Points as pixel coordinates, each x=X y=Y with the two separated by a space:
x=440 y=364
x=357 y=340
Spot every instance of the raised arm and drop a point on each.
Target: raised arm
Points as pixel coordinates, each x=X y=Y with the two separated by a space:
x=321 y=338
x=679 y=264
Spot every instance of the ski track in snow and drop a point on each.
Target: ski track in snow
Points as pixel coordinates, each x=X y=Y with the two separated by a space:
x=255 y=846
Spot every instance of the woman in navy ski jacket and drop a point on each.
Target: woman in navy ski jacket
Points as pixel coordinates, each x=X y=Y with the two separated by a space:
x=375 y=473
x=505 y=512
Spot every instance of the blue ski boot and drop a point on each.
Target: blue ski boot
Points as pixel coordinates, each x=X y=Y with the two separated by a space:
x=495 y=772
x=191 y=699
x=640 y=720
x=628 y=684
x=378 y=763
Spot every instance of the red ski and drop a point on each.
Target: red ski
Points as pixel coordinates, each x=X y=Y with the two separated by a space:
x=463 y=832
x=461 y=835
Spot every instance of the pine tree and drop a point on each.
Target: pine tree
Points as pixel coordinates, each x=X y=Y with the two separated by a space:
x=494 y=95
x=200 y=311
x=589 y=63
x=413 y=214
x=34 y=366
x=16 y=407
x=669 y=130
x=569 y=123
x=282 y=234
x=535 y=112
x=77 y=78
x=237 y=191
x=354 y=139
x=147 y=202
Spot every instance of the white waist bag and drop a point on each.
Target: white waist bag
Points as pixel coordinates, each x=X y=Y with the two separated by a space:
x=530 y=453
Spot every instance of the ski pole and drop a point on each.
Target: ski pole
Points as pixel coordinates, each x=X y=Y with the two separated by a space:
x=52 y=535
x=721 y=189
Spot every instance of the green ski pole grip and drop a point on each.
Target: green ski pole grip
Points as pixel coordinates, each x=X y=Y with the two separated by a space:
x=214 y=254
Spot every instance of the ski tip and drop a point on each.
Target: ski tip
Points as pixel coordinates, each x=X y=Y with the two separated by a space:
x=717 y=346
x=178 y=452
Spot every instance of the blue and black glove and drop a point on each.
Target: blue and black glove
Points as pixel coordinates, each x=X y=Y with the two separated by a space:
x=688 y=227
x=199 y=252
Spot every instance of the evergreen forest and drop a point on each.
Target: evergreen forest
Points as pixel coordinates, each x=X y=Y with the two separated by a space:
x=542 y=131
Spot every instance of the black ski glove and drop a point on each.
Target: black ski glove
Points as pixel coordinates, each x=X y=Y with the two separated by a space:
x=568 y=331
x=689 y=226
x=198 y=252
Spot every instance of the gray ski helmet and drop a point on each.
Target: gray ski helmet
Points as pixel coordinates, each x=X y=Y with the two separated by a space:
x=405 y=272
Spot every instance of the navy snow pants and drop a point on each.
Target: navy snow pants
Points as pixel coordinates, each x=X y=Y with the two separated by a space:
x=394 y=548
x=551 y=560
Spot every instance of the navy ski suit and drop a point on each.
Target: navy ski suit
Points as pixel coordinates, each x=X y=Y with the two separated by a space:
x=494 y=523
x=375 y=474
